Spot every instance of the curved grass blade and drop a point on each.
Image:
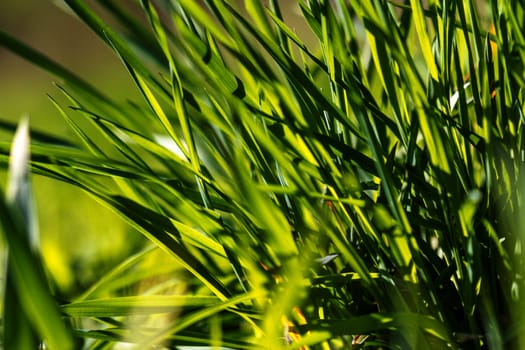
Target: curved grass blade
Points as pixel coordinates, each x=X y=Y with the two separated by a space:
x=51 y=66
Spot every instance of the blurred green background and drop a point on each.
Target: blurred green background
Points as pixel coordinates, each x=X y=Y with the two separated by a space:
x=80 y=237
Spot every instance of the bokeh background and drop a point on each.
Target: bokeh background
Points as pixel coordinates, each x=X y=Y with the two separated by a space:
x=80 y=237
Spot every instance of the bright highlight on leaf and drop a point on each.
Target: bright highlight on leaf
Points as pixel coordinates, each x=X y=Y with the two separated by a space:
x=19 y=165
x=30 y=314
x=423 y=35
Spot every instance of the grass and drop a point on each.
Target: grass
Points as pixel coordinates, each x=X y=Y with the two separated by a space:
x=361 y=189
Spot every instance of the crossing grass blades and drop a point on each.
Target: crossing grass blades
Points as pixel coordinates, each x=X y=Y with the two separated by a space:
x=348 y=175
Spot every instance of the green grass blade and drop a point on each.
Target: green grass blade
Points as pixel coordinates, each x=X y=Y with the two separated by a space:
x=49 y=65
x=32 y=306
x=135 y=305
x=424 y=40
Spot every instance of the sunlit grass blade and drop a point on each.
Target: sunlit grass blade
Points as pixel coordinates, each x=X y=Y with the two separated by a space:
x=424 y=39
x=135 y=305
x=31 y=315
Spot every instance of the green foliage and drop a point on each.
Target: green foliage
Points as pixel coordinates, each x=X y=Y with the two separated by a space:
x=30 y=313
x=355 y=186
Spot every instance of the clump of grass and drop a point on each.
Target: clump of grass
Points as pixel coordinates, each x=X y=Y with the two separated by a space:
x=360 y=191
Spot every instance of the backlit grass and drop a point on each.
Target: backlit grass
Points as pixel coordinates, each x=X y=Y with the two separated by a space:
x=359 y=189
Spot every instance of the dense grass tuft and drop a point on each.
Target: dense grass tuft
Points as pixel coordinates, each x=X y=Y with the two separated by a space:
x=357 y=185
